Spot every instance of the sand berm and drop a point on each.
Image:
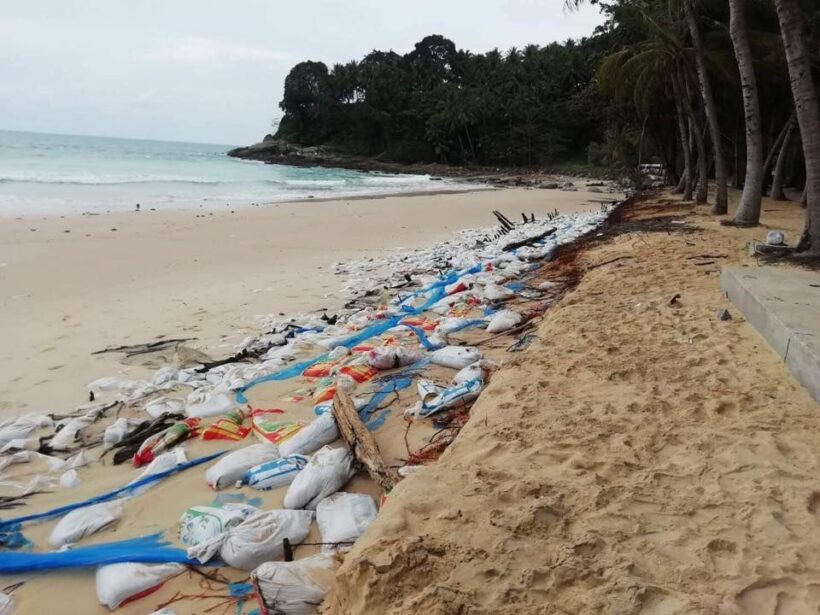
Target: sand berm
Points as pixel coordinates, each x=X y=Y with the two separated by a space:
x=641 y=457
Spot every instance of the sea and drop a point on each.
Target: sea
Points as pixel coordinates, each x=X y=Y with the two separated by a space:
x=70 y=174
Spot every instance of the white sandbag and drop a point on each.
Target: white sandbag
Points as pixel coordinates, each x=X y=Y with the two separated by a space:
x=66 y=438
x=69 y=480
x=164 y=405
x=117 y=583
x=322 y=430
x=210 y=405
x=343 y=517
x=165 y=611
x=199 y=524
x=78 y=461
x=494 y=292
x=257 y=539
x=504 y=320
x=294 y=588
x=455 y=357
x=108 y=383
x=326 y=472
x=21 y=444
x=164 y=462
x=14 y=458
x=83 y=522
x=6 y=604
x=391 y=357
x=233 y=466
x=479 y=369
x=165 y=375
x=275 y=473
x=338 y=353
x=121 y=428
x=450 y=324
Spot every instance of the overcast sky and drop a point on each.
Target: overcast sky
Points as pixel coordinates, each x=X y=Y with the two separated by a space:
x=212 y=70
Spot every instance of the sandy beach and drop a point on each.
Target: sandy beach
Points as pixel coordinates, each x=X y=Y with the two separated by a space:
x=66 y=294
x=208 y=277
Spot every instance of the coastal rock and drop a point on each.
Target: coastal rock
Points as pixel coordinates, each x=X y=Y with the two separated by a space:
x=548 y=185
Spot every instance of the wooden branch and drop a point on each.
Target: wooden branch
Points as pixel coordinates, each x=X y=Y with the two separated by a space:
x=610 y=261
x=144 y=348
x=361 y=441
x=529 y=240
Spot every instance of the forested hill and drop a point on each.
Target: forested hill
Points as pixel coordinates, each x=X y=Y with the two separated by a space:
x=438 y=103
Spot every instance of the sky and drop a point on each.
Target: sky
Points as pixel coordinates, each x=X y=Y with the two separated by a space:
x=211 y=71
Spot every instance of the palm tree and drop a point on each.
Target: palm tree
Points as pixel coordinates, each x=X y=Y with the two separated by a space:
x=748 y=211
x=722 y=198
x=780 y=166
x=808 y=115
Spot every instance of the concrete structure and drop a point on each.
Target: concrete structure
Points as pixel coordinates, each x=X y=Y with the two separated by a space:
x=784 y=306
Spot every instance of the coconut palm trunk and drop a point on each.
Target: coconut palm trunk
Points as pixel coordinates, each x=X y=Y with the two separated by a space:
x=808 y=115
x=686 y=178
x=722 y=197
x=748 y=211
x=780 y=167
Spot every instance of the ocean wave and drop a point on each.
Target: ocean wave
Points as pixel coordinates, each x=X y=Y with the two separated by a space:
x=104 y=181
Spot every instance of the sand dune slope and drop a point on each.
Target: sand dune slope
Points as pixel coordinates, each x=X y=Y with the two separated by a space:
x=642 y=458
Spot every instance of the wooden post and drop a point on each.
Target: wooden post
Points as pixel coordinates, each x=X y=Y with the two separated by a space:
x=361 y=441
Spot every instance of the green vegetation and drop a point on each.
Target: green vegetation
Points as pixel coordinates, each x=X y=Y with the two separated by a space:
x=440 y=104
x=712 y=89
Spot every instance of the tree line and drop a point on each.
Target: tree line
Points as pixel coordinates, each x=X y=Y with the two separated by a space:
x=720 y=90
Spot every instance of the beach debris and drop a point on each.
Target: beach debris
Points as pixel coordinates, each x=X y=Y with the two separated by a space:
x=361 y=442
x=522 y=343
x=528 y=241
x=504 y=320
x=436 y=398
x=229 y=427
x=164 y=440
x=723 y=314
x=118 y=584
x=202 y=404
x=136 y=349
x=275 y=473
x=256 y=540
x=200 y=524
x=293 y=587
x=455 y=357
x=392 y=357
x=320 y=431
x=69 y=479
x=83 y=522
x=480 y=369
x=7 y=605
x=776 y=238
x=343 y=517
x=164 y=462
x=327 y=471
x=270 y=426
x=233 y=466
x=121 y=428
x=674 y=299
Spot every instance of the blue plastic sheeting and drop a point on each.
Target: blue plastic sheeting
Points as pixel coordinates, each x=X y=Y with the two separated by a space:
x=437 y=290
x=10 y=525
x=426 y=343
x=368 y=414
x=151 y=549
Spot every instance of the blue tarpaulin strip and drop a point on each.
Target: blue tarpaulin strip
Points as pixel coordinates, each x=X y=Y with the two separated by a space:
x=151 y=549
x=130 y=489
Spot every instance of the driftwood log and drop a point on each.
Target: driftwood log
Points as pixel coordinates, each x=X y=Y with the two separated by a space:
x=529 y=240
x=361 y=441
